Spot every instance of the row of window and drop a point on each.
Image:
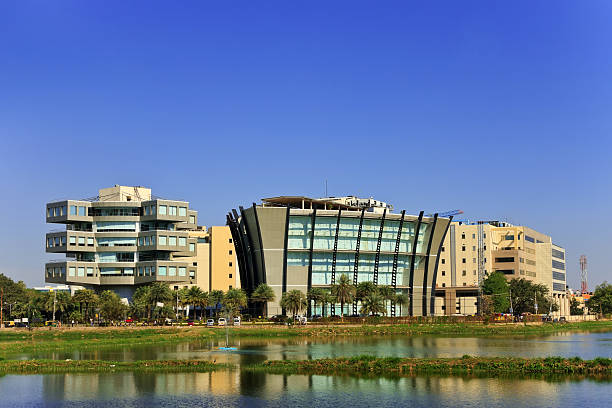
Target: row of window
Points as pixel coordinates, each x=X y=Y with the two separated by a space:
x=558 y=276
x=72 y=240
x=484 y=235
x=463 y=273
x=162 y=271
x=558 y=254
x=82 y=211
x=558 y=265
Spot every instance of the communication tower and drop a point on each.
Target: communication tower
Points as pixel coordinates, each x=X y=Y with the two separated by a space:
x=583 y=274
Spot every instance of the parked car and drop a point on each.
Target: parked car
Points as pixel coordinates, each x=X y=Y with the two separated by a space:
x=190 y=322
x=236 y=321
x=222 y=321
x=301 y=320
x=210 y=322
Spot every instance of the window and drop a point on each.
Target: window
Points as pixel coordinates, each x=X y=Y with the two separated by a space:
x=153 y=240
x=81 y=271
x=473 y=247
x=172 y=210
x=230 y=251
x=182 y=211
x=558 y=265
x=163 y=239
x=442 y=249
x=82 y=211
x=63 y=240
x=474 y=273
x=230 y=276
x=463 y=235
x=558 y=276
x=162 y=210
x=230 y=264
x=152 y=271
x=81 y=241
x=172 y=271
x=509 y=237
x=182 y=241
x=71 y=271
x=463 y=248
x=191 y=247
x=72 y=240
x=443 y=261
x=530 y=239
x=444 y=285
x=473 y=260
x=152 y=210
x=464 y=284
x=230 y=240
x=463 y=273
x=443 y=273
x=90 y=241
x=182 y=271
x=463 y=260
x=141 y=241
x=172 y=241
x=73 y=210
x=147 y=271
x=192 y=219
x=161 y=269
x=473 y=236
x=89 y=271
x=558 y=254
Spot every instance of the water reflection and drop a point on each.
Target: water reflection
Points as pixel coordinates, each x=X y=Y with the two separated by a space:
x=585 y=345
x=235 y=388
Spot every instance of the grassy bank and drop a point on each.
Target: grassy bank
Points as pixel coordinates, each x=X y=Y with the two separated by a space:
x=15 y=341
x=367 y=366
x=391 y=366
x=98 y=366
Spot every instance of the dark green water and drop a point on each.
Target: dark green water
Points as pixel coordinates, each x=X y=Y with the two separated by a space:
x=244 y=389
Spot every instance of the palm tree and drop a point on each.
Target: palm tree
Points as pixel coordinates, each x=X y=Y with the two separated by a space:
x=159 y=292
x=214 y=298
x=364 y=289
x=85 y=297
x=316 y=295
x=387 y=293
x=263 y=294
x=373 y=304
x=402 y=299
x=193 y=297
x=61 y=300
x=234 y=300
x=141 y=301
x=294 y=301
x=343 y=291
x=203 y=300
x=328 y=298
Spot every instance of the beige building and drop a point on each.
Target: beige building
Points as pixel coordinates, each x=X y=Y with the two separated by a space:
x=215 y=260
x=516 y=251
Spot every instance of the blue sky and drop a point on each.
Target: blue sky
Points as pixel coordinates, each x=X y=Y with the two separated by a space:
x=501 y=109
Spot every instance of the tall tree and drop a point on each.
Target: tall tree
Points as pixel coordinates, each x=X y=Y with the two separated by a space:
x=387 y=293
x=575 y=309
x=373 y=304
x=85 y=297
x=233 y=301
x=111 y=306
x=328 y=299
x=525 y=294
x=497 y=287
x=215 y=298
x=316 y=296
x=294 y=301
x=402 y=300
x=194 y=297
x=343 y=291
x=601 y=301
x=159 y=293
x=141 y=302
x=364 y=289
x=263 y=294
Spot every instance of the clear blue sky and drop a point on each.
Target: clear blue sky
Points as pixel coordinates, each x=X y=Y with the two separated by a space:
x=502 y=109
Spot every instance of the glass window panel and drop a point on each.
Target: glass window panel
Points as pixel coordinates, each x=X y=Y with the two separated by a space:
x=81 y=271
x=172 y=271
x=182 y=241
x=182 y=271
x=73 y=210
x=299 y=232
x=161 y=271
x=183 y=211
x=172 y=241
x=163 y=240
x=191 y=247
x=172 y=210
x=71 y=271
x=162 y=209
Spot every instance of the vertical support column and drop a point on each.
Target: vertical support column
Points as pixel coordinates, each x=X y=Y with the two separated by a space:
x=314 y=218
x=284 y=283
x=425 y=276
x=333 y=277
x=435 y=275
x=377 y=258
x=250 y=247
x=395 y=257
x=356 y=266
x=412 y=260
x=261 y=250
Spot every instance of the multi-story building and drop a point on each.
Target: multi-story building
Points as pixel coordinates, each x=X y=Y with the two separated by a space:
x=300 y=243
x=516 y=251
x=215 y=260
x=122 y=238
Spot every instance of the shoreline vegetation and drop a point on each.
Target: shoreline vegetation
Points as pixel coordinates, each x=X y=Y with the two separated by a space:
x=44 y=339
x=362 y=366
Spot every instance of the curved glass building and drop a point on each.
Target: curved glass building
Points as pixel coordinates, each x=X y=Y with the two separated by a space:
x=300 y=243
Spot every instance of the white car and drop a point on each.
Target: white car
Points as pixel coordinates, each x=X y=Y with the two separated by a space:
x=222 y=321
x=210 y=322
x=236 y=321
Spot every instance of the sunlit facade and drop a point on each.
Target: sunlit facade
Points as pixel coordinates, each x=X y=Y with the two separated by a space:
x=300 y=243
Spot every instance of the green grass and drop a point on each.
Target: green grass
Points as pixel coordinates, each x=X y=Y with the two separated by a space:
x=395 y=366
x=97 y=366
x=16 y=341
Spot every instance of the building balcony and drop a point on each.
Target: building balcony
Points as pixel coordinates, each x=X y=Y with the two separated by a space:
x=70 y=241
